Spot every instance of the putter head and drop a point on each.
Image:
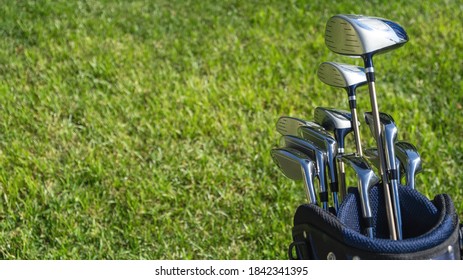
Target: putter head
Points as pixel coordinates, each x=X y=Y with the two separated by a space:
x=290 y=125
x=341 y=75
x=358 y=35
x=410 y=160
x=337 y=121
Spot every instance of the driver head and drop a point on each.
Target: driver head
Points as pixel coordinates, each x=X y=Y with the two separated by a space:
x=358 y=35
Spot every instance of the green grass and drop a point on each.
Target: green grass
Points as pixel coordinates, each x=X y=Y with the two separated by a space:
x=142 y=129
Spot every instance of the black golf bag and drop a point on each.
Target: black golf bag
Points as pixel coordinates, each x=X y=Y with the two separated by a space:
x=431 y=229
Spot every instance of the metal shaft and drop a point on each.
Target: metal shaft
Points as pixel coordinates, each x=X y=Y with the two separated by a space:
x=358 y=143
x=392 y=224
x=342 y=177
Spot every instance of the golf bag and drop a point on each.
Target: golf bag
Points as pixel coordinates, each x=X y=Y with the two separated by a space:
x=431 y=229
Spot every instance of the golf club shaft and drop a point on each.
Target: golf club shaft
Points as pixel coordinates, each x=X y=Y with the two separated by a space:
x=355 y=125
x=342 y=179
x=379 y=143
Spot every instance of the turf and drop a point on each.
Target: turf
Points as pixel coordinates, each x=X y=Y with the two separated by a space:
x=142 y=129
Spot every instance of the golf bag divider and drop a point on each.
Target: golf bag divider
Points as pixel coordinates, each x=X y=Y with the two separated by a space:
x=431 y=231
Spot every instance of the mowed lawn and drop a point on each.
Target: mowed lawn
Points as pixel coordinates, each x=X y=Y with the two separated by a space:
x=142 y=129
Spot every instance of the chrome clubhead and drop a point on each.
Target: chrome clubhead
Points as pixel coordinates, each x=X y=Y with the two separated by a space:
x=411 y=161
x=314 y=153
x=324 y=141
x=357 y=35
x=290 y=125
x=341 y=75
x=296 y=166
x=367 y=179
x=371 y=154
x=336 y=121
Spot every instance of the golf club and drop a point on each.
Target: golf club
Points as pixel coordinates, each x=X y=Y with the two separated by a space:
x=314 y=153
x=411 y=161
x=389 y=135
x=338 y=122
x=367 y=179
x=348 y=77
x=365 y=36
x=296 y=166
x=371 y=154
x=325 y=142
x=289 y=125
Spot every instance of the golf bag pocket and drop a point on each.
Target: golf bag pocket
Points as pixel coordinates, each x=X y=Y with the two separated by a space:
x=430 y=229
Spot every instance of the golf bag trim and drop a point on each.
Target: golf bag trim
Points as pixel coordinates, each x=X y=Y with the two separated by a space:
x=318 y=234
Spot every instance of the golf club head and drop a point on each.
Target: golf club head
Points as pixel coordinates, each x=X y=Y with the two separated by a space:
x=314 y=153
x=367 y=179
x=324 y=141
x=411 y=161
x=371 y=154
x=389 y=134
x=357 y=35
x=341 y=75
x=337 y=121
x=290 y=125
x=296 y=166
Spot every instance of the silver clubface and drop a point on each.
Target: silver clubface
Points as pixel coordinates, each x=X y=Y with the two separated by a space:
x=367 y=179
x=290 y=125
x=324 y=141
x=314 y=153
x=357 y=35
x=348 y=77
x=411 y=161
x=297 y=166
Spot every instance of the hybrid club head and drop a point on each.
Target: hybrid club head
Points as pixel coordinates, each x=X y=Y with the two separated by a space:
x=314 y=153
x=324 y=141
x=357 y=35
x=336 y=121
x=411 y=161
x=290 y=125
x=348 y=77
x=367 y=179
x=296 y=166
